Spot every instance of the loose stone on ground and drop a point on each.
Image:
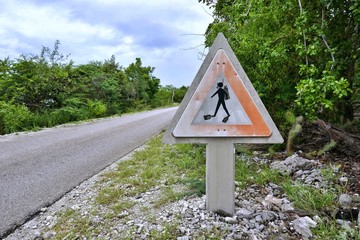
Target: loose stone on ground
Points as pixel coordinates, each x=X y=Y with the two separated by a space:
x=260 y=212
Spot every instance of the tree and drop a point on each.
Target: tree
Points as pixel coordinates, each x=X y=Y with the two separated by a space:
x=46 y=89
x=144 y=84
x=6 y=86
x=329 y=31
x=180 y=93
x=102 y=81
x=296 y=53
x=36 y=80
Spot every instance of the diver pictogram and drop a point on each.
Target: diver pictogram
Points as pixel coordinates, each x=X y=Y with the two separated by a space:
x=223 y=94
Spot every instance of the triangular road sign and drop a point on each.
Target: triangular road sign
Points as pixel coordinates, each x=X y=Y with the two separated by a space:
x=222 y=102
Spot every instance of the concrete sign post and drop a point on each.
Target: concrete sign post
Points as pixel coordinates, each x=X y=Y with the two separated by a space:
x=220 y=109
x=220 y=175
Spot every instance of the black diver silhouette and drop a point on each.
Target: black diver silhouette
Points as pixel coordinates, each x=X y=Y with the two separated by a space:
x=221 y=101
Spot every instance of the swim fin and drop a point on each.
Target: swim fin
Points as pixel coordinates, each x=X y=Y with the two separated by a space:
x=225 y=119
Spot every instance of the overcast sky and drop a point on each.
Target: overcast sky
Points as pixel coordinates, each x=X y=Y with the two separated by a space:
x=165 y=34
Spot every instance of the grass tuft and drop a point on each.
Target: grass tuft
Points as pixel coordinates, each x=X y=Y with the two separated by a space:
x=252 y=173
x=309 y=198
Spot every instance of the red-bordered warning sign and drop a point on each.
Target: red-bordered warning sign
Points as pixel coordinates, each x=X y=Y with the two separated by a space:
x=222 y=102
x=210 y=114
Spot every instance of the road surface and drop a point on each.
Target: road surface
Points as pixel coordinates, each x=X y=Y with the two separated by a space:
x=38 y=168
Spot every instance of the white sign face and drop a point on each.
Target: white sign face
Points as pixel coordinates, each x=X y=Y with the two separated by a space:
x=221 y=106
x=219 y=109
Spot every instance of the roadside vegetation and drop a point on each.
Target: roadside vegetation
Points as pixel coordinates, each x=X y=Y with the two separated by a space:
x=177 y=172
x=48 y=89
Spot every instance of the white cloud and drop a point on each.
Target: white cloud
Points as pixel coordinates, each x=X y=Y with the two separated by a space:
x=48 y=22
x=94 y=30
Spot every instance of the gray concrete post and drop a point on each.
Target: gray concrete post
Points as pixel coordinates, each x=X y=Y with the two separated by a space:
x=220 y=175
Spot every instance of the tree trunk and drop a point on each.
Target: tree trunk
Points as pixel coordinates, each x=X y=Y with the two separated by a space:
x=347 y=143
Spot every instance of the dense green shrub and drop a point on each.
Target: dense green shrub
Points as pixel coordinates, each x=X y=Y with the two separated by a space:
x=14 y=118
x=96 y=108
x=46 y=90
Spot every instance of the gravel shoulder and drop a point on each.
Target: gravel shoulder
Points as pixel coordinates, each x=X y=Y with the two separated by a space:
x=78 y=198
x=262 y=211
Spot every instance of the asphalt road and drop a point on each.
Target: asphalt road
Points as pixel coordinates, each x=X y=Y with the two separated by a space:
x=38 y=168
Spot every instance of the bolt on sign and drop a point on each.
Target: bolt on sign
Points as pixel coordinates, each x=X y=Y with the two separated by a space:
x=220 y=109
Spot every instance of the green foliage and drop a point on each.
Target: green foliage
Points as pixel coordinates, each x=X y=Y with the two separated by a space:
x=144 y=84
x=316 y=96
x=14 y=118
x=180 y=93
x=38 y=81
x=47 y=89
x=290 y=117
x=301 y=56
x=96 y=108
x=169 y=95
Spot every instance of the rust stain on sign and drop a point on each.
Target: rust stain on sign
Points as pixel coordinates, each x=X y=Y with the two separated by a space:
x=221 y=106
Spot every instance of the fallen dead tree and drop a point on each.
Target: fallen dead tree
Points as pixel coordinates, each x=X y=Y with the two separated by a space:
x=320 y=137
x=346 y=143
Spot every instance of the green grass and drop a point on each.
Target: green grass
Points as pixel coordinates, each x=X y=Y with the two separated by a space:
x=168 y=232
x=71 y=225
x=122 y=205
x=328 y=229
x=109 y=195
x=156 y=165
x=197 y=187
x=178 y=171
x=252 y=173
x=309 y=198
x=167 y=195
